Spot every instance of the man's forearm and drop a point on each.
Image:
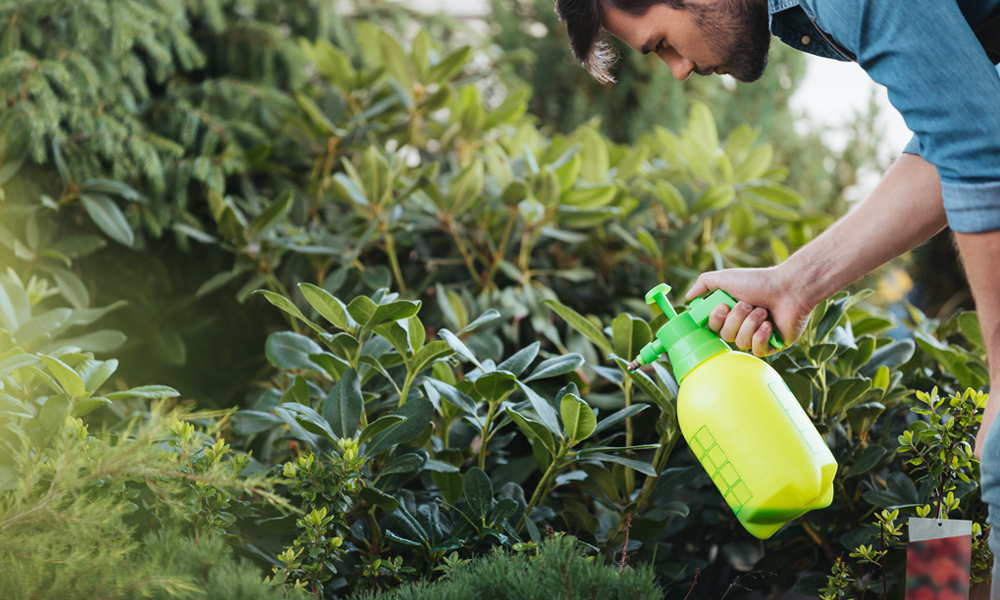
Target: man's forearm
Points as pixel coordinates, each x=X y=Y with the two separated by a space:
x=904 y=210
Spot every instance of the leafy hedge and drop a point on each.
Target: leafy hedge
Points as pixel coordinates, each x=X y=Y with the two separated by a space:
x=459 y=292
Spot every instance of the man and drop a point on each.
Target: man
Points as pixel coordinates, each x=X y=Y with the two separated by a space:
x=942 y=80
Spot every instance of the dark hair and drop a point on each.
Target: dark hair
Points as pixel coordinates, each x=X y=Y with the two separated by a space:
x=584 y=23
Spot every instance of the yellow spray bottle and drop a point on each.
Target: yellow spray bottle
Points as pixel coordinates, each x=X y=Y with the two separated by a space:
x=741 y=421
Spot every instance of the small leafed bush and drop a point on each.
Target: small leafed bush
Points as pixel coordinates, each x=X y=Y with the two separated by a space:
x=557 y=570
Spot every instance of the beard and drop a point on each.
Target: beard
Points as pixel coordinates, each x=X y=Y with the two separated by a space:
x=739 y=28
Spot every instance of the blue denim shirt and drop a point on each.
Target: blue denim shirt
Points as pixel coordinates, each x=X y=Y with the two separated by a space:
x=938 y=77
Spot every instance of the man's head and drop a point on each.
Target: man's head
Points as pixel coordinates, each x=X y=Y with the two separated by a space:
x=702 y=36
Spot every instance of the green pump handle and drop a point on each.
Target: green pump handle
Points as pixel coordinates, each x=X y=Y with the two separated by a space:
x=699 y=310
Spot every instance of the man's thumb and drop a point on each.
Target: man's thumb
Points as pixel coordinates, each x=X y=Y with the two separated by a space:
x=701 y=286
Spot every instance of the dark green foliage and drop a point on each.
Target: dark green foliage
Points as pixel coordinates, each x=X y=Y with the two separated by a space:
x=481 y=401
x=558 y=570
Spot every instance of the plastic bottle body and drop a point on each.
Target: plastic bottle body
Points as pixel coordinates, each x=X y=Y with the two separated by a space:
x=755 y=441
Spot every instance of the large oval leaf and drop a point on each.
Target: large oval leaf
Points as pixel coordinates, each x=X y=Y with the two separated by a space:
x=557 y=365
x=108 y=217
x=578 y=418
x=418 y=413
x=344 y=404
x=478 y=492
x=327 y=305
x=496 y=385
x=288 y=350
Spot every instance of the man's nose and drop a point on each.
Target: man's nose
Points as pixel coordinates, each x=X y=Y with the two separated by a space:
x=680 y=67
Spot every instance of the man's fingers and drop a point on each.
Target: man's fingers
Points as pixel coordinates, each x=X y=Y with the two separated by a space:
x=717 y=318
x=734 y=321
x=744 y=336
x=762 y=340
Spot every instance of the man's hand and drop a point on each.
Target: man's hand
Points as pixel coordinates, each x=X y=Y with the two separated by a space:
x=759 y=291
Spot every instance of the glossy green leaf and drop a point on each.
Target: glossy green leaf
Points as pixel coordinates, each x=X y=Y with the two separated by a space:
x=459 y=347
x=557 y=365
x=495 y=386
x=891 y=356
x=715 y=198
x=306 y=418
x=629 y=334
x=581 y=324
x=590 y=198
x=418 y=413
x=379 y=425
x=619 y=416
x=288 y=350
x=490 y=315
x=478 y=492
x=151 y=392
x=520 y=360
x=104 y=340
x=13 y=407
x=289 y=307
x=344 y=405
x=428 y=354
x=109 y=218
x=41 y=325
x=72 y=287
x=834 y=313
x=17 y=361
x=449 y=65
x=377 y=497
x=343 y=345
x=85 y=406
x=548 y=415
x=968 y=324
x=396 y=335
x=252 y=422
x=95 y=372
x=644 y=468
x=78 y=246
x=68 y=379
x=405 y=464
x=271 y=215
x=533 y=430
x=416 y=334
x=577 y=417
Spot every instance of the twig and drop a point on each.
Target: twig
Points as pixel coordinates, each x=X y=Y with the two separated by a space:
x=628 y=525
x=697 y=572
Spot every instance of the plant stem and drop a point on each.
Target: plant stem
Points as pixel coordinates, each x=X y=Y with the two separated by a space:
x=659 y=463
x=485 y=437
x=461 y=247
x=542 y=484
x=406 y=388
x=501 y=250
x=628 y=403
x=390 y=249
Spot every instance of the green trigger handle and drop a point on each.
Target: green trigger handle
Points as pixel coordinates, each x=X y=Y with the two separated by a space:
x=700 y=308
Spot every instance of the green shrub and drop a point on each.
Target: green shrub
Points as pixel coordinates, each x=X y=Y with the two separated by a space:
x=381 y=485
x=558 y=570
x=144 y=507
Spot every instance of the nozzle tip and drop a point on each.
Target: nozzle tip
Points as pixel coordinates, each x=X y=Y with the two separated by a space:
x=635 y=364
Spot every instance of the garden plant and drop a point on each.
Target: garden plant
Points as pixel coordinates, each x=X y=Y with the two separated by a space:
x=393 y=306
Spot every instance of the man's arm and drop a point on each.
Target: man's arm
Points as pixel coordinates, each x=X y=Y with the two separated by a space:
x=904 y=210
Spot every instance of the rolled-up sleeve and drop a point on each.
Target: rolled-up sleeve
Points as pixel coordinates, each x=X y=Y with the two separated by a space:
x=941 y=81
